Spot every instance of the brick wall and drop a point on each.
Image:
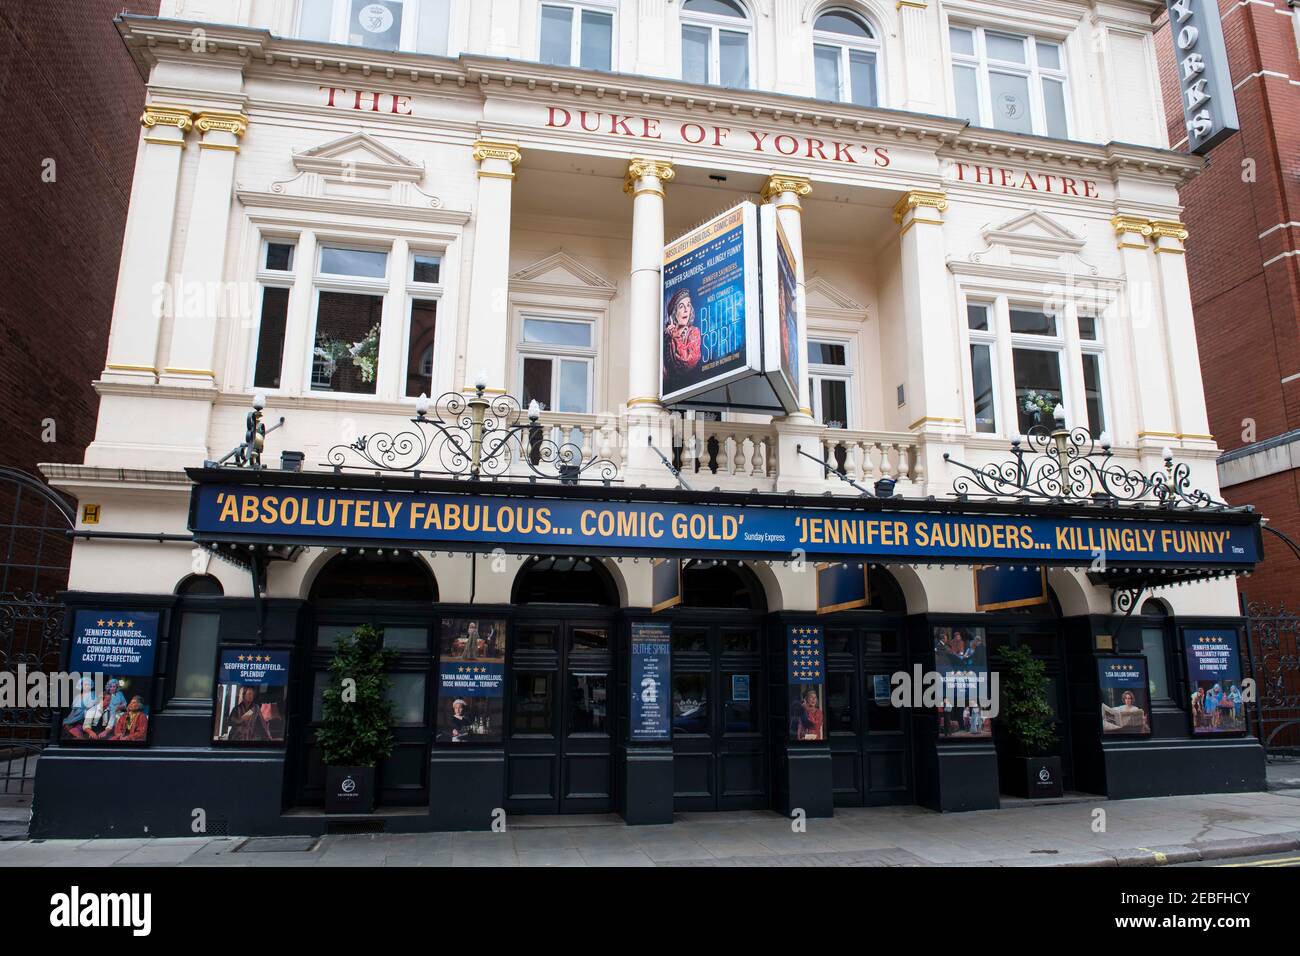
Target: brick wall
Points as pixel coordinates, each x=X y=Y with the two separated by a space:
x=71 y=94
x=1248 y=312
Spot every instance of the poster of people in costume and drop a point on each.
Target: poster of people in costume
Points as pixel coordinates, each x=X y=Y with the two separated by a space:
x=471 y=680
x=1218 y=701
x=251 y=696
x=112 y=654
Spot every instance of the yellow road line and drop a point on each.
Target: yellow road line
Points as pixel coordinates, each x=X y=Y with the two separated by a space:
x=1285 y=861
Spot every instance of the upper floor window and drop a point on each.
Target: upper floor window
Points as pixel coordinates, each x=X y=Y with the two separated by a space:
x=1009 y=82
x=1027 y=359
x=846 y=59
x=416 y=25
x=556 y=362
x=424 y=289
x=575 y=34
x=829 y=375
x=275 y=279
x=351 y=286
x=715 y=42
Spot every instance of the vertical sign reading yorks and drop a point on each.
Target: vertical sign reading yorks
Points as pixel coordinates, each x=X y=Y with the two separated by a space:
x=1201 y=61
x=651 y=666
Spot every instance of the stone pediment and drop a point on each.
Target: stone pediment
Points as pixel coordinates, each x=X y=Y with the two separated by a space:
x=355 y=169
x=1033 y=240
x=562 y=273
x=824 y=299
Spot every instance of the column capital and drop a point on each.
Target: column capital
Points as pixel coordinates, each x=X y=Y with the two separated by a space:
x=156 y=115
x=220 y=121
x=1126 y=226
x=487 y=149
x=640 y=168
x=168 y=118
x=1168 y=235
x=920 y=199
x=780 y=183
x=915 y=4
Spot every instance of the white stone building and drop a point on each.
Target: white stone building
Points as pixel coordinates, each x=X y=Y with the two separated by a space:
x=347 y=204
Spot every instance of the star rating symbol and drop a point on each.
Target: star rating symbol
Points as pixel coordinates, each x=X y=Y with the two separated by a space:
x=130 y=623
x=100 y=622
x=121 y=623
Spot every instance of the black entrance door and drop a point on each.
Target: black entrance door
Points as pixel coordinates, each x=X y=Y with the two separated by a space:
x=559 y=748
x=1046 y=642
x=870 y=738
x=719 y=734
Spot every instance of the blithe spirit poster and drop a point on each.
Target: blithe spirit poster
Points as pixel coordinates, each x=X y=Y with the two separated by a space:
x=710 y=302
x=651 y=662
x=1218 y=704
x=806 y=679
x=781 y=359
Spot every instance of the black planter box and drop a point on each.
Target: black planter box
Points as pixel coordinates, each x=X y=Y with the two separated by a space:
x=1041 y=776
x=349 y=789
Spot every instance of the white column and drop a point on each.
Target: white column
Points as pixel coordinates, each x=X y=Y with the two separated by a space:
x=142 y=276
x=193 y=339
x=645 y=183
x=784 y=191
x=933 y=387
x=799 y=430
x=1141 y=318
x=1190 y=417
x=486 y=349
x=918 y=69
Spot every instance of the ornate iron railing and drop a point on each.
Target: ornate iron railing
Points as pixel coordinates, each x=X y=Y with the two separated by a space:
x=1065 y=465
x=474 y=437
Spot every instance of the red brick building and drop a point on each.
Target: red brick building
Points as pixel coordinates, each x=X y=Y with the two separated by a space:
x=1243 y=258
x=68 y=130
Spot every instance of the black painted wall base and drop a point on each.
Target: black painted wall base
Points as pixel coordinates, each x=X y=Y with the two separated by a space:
x=965 y=778
x=157 y=793
x=1163 y=768
x=467 y=788
x=647 y=785
x=809 y=785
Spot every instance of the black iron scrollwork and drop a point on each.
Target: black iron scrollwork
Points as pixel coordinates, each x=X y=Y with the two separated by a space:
x=474 y=437
x=1065 y=465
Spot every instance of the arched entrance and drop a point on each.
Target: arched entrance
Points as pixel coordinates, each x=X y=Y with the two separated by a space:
x=397 y=594
x=1039 y=628
x=561 y=705
x=719 y=690
x=871 y=745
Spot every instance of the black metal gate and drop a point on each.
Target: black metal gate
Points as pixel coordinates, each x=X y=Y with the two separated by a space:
x=34 y=555
x=1273 y=660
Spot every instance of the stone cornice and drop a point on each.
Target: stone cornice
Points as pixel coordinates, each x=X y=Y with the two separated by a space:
x=151 y=39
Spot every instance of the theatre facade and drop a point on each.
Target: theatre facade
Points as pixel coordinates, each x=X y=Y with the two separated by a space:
x=679 y=388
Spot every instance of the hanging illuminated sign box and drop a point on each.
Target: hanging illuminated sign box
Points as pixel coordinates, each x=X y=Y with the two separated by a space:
x=730 y=309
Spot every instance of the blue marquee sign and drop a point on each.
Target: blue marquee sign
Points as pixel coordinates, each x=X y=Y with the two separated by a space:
x=232 y=512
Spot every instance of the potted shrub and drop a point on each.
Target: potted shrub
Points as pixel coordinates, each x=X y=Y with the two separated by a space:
x=357 y=719
x=1029 y=770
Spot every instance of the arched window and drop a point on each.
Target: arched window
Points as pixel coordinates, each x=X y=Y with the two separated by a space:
x=1155 y=614
x=846 y=58
x=717 y=584
x=197 y=629
x=375 y=577
x=715 y=43
x=564 y=581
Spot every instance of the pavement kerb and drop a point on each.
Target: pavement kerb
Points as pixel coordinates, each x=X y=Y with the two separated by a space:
x=1190 y=852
